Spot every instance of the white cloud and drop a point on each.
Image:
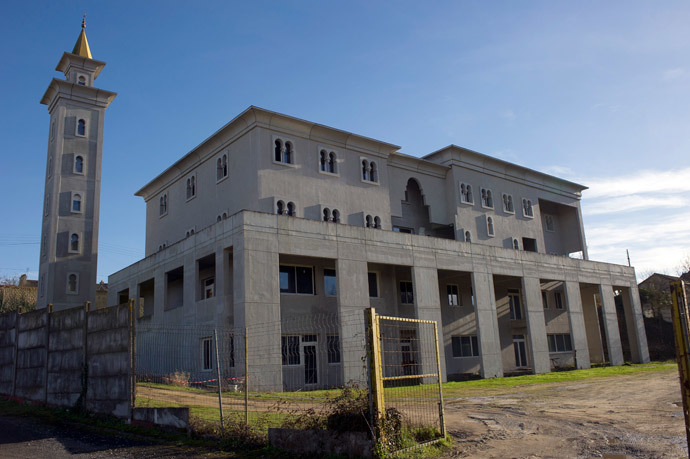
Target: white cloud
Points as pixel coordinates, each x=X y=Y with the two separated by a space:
x=649 y=181
x=677 y=73
x=622 y=204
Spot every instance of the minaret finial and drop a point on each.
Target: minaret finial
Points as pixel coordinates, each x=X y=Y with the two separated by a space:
x=81 y=48
x=83 y=21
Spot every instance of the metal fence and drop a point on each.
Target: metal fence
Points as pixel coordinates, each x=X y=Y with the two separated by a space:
x=308 y=372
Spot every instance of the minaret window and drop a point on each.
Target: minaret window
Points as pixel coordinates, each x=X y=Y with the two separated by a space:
x=278 y=151
x=283 y=151
x=81 y=81
x=81 y=127
x=78 y=164
x=74 y=243
x=76 y=203
x=72 y=283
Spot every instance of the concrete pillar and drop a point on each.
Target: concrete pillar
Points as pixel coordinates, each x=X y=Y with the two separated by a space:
x=428 y=307
x=487 y=325
x=635 y=324
x=595 y=342
x=256 y=297
x=159 y=293
x=613 y=337
x=353 y=299
x=536 y=327
x=576 y=318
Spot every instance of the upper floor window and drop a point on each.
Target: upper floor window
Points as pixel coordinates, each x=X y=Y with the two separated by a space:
x=487 y=198
x=544 y=299
x=283 y=151
x=406 y=295
x=46 y=211
x=559 y=300
x=72 y=283
x=163 y=202
x=291 y=210
x=549 y=223
x=508 y=204
x=74 y=243
x=328 y=161
x=335 y=216
x=222 y=168
x=453 y=295
x=490 y=226
x=370 y=171
x=527 y=208
x=515 y=306
x=280 y=208
x=372 y=222
x=191 y=187
x=78 y=164
x=81 y=127
x=296 y=279
x=373 y=281
x=466 y=193
x=468 y=236
x=76 y=203
x=516 y=244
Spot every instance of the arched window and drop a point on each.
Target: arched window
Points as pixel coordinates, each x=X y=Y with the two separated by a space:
x=365 y=170
x=225 y=165
x=50 y=165
x=466 y=193
x=189 y=188
x=516 y=244
x=288 y=153
x=74 y=242
x=336 y=216
x=225 y=216
x=323 y=160
x=193 y=186
x=79 y=164
x=470 y=198
x=373 y=172
x=163 y=204
x=278 y=150
x=489 y=199
x=368 y=221
x=326 y=214
x=76 y=203
x=81 y=127
x=280 y=207
x=291 y=209
x=81 y=81
x=72 y=283
x=219 y=169
x=490 y=226
x=218 y=219
x=527 y=208
x=510 y=204
x=468 y=236
x=377 y=222
x=331 y=163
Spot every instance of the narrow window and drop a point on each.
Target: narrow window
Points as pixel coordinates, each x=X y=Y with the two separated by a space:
x=515 y=307
x=489 y=199
x=219 y=169
x=278 y=151
x=336 y=216
x=468 y=236
x=81 y=127
x=44 y=249
x=288 y=153
x=209 y=287
x=373 y=285
x=280 y=207
x=326 y=214
x=466 y=193
x=163 y=205
x=290 y=349
x=81 y=81
x=516 y=244
x=189 y=188
x=365 y=170
x=218 y=219
x=406 y=295
x=74 y=243
x=322 y=160
x=206 y=354
x=527 y=208
x=368 y=222
x=490 y=226
x=76 y=203
x=225 y=165
x=330 y=284
x=79 y=164
x=331 y=163
x=544 y=299
x=225 y=216
x=373 y=173
x=510 y=204
x=559 y=300
x=50 y=165
x=453 y=295
x=550 y=226
x=333 y=348
x=290 y=209
x=377 y=222
x=72 y=283
x=193 y=186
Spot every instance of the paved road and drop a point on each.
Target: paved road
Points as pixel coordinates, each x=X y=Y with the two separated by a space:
x=31 y=438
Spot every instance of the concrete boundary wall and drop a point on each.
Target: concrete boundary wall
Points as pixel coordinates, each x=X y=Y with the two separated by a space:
x=69 y=358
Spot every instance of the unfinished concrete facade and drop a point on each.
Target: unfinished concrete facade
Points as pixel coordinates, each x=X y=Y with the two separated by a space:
x=273 y=217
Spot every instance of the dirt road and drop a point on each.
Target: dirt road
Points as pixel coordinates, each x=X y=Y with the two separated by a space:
x=636 y=415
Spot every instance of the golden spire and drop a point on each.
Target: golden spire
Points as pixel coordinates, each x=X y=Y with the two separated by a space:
x=81 y=48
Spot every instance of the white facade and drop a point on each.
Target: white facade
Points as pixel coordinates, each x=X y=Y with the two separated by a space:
x=473 y=242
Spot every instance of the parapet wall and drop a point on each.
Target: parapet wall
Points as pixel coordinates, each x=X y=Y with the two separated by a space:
x=68 y=358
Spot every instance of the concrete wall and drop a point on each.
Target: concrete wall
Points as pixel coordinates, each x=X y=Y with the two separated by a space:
x=43 y=356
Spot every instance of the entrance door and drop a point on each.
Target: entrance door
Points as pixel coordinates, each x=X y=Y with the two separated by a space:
x=520 y=351
x=310 y=365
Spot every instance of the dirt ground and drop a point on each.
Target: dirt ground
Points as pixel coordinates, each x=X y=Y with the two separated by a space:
x=637 y=415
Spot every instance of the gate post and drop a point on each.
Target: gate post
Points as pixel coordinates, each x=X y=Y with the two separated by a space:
x=441 y=412
x=375 y=376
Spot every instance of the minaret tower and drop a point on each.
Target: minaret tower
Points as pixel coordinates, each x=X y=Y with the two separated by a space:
x=69 y=235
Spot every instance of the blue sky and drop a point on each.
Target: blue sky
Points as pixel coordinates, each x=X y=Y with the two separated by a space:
x=595 y=92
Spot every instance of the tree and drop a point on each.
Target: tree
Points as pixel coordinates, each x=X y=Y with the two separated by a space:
x=16 y=298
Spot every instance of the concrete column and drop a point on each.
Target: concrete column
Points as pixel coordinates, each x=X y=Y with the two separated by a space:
x=536 y=327
x=487 y=325
x=576 y=318
x=353 y=299
x=221 y=274
x=256 y=297
x=159 y=293
x=595 y=344
x=428 y=307
x=635 y=324
x=613 y=337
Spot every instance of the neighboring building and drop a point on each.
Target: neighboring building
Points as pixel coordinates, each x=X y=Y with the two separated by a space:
x=656 y=296
x=69 y=233
x=275 y=217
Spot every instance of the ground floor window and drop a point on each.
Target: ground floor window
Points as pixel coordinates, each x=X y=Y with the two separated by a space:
x=465 y=346
x=406 y=296
x=207 y=354
x=290 y=349
x=515 y=307
x=333 y=348
x=560 y=342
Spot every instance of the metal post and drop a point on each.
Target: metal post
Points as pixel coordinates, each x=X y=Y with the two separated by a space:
x=375 y=372
x=246 y=379
x=441 y=412
x=220 y=397
x=680 y=331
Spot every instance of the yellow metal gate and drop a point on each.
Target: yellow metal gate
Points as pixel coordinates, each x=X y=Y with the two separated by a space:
x=405 y=377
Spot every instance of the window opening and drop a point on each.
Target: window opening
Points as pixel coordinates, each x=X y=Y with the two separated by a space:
x=377 y=222
x=559 y=300
x=487 y=198
x=369 y=223
x=207 y=354
x=515 y=306
x=290 y=209
x=81 y=127
x=516 y=244
x=490 y=226
x=453 y=295
x=560 y=342
x=72 y=283
x=365 y=170
x=468 y=236
x=548 y=219
x=163 y=204
x=466 y=193
x=544 y=299
x=527 y=208
x=278 y=150
x=209 y=287
x=520 y=351
x=373 y=285
x=336 y=216
x=74 y=243
x=465 y=346
x=406 y=295
x=331 y=163
x=280 y=207
x=76 y=203
x=288 y=153
x=322 y=160
x=290 y=349
x=81 y=81
x=79 y=164
x=296 y=279
x=330 y=283
x=508 y=203
x=326 y=214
